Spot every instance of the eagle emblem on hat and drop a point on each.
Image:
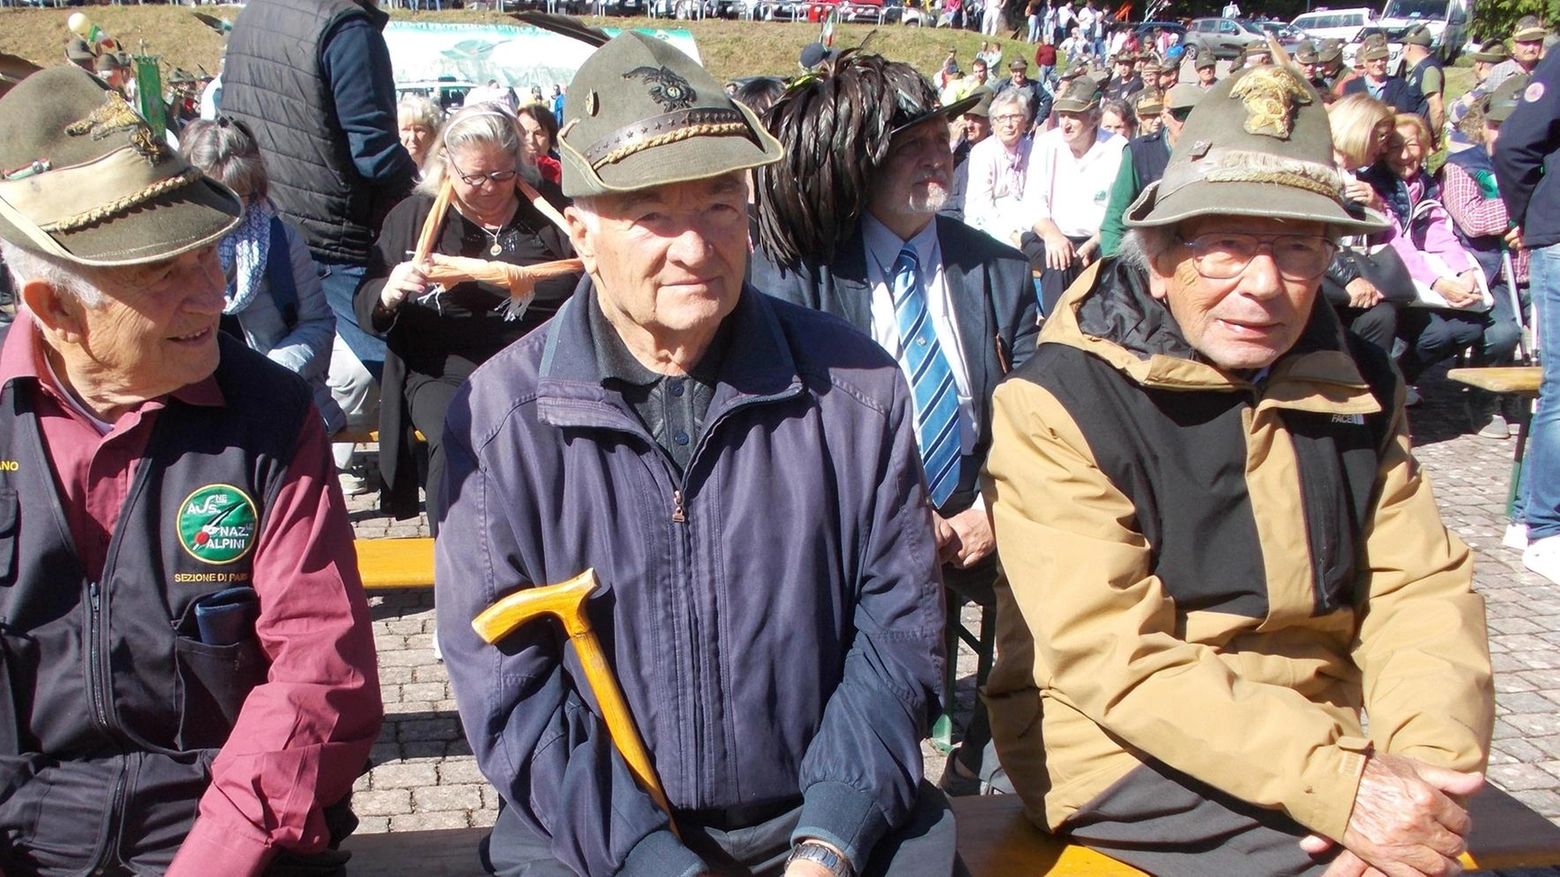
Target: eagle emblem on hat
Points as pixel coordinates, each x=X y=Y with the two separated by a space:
x=668 y=89
x=116 y=116
x=1271 y=96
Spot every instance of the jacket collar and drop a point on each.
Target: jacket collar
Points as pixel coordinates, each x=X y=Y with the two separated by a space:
x=758 y=366
x=1111 y=314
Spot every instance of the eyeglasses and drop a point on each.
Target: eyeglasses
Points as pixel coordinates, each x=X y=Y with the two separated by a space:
x=1223 y=255
x=478 y=180
x=1008 y=117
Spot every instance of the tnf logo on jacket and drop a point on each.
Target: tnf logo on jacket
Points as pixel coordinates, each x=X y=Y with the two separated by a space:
x=217 y=524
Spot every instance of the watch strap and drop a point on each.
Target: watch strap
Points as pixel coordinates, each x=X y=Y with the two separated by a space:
x=813 y=852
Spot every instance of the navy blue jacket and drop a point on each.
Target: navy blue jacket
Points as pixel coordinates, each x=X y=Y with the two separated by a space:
x=1527 y=158
x=774 y=617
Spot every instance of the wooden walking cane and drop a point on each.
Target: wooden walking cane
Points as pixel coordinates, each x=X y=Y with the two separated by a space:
x=566 y=600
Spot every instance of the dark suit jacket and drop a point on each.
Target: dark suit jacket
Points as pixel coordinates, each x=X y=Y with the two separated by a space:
x=1397 y=93
x=994 y=308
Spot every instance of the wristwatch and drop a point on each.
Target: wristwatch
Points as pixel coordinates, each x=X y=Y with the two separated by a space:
x=808 y=851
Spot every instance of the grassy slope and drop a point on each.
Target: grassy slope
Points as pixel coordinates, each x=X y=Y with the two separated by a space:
x=729 y=48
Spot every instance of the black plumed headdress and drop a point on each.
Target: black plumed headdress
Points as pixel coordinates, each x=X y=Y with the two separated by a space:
x=836 y=126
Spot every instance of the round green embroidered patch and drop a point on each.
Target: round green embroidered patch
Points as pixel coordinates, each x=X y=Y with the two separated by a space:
x=217 y=524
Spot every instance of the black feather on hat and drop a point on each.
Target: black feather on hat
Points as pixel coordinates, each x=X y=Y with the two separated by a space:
x=836 y=126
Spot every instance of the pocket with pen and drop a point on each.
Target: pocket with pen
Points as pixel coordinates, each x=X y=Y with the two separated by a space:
x=219 y=663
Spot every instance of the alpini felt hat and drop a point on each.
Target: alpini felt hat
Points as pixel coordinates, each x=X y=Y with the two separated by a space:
x=1258 y=144
x=1418 y=35
x=1080 y=96
x=84 y=178
x=1529 y=29
x=640 y=113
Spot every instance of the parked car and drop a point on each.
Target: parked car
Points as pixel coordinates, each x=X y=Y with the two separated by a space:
x=1224 y=37
x=1145 y=31
x=1446 y=19
x=1335 y=24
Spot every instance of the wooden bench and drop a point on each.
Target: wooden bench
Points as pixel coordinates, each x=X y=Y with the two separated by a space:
x=388 y=564
x=365 y=436
x=1520 y=381
x=995 y=840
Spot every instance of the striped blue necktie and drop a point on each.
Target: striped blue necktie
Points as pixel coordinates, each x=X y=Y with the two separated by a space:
x=931 y=380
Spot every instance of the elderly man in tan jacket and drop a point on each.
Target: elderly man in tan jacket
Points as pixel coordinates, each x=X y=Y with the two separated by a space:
x=1222 y=554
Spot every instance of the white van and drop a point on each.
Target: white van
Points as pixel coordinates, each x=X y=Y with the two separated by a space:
x=1446 y=19
x=1334 y=24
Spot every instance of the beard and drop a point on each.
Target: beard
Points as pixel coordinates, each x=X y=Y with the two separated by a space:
x=922 y=201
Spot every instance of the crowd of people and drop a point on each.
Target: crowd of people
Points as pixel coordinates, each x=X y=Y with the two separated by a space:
x=1123 y=348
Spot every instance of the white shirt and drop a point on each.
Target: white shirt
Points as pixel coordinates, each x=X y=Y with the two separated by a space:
x=993 y=195
x=1069 y=191
x=883 y=248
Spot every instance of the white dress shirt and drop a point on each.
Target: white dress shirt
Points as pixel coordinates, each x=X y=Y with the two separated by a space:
x=1071 y=191
x=883 y=248
x=993 y=196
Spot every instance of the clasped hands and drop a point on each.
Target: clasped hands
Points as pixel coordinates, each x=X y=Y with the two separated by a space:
x=1406 y=821
x=964 y=539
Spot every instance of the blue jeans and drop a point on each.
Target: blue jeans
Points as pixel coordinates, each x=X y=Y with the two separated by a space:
x=341 y=282
x=1542 y=466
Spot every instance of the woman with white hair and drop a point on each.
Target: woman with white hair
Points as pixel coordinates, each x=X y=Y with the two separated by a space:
x=274 y=301
x=436 y=333
x=419 y=119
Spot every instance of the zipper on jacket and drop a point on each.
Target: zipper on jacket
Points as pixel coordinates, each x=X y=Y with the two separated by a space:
x=110 y=831
x=96 y=684
x=679 y=515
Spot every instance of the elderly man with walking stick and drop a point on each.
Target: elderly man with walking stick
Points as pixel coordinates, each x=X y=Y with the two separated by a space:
x=741 y=475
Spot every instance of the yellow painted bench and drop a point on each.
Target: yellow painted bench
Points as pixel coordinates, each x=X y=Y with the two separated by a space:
x=388 y=564
x=995 y=840
x=1520 y=381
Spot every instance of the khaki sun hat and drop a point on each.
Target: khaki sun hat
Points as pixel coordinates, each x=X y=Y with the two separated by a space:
x=1258 y=144
x=640 y=113
x=1080 y=96
x=84 y=178
x=982 y=106
x=1492 y=52
x=1529 y=29
x=1183 y=97
x=1499 y=104
x=1374 y=50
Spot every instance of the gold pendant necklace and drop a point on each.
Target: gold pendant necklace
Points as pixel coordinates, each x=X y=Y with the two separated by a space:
x=497 y=248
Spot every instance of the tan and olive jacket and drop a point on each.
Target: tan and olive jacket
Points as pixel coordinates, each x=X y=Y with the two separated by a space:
x=1217 y=573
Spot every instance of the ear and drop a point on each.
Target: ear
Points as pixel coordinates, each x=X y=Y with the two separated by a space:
x=581 y=237
x=1159 y=282
x=57 y=312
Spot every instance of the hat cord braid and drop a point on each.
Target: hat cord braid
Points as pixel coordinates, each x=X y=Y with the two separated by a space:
x=1282 y=178
x=119 y=205
x=712 y=130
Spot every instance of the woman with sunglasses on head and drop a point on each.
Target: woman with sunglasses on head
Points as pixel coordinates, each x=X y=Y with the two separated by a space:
x=437 y=333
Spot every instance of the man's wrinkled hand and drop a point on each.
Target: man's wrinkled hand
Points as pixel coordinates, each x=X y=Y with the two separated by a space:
x=947 y=539
x=972 y=531
x=1405 y=822
x=1058 y=251
x=1362 y=293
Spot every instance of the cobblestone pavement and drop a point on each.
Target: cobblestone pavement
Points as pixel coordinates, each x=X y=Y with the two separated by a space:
x=424 y=775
